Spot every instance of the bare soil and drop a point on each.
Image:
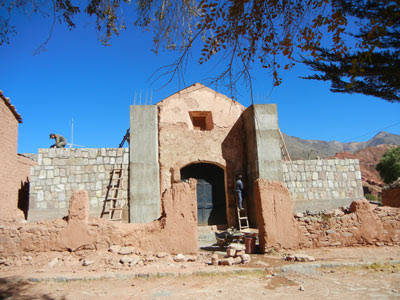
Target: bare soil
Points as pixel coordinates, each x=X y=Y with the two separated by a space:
x=183 y=280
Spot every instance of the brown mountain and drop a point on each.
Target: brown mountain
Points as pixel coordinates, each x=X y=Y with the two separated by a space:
x=305 y=149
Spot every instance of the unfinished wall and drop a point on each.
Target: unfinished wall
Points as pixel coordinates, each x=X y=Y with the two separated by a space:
x=220 y=143
x=274 y=208
x=61 y=171
x=316 y=185
x=363 y=224
x=174 y=232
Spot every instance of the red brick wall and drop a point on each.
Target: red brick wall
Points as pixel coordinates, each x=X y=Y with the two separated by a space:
x=8 y=155
x=391 y=197
x=14 y=169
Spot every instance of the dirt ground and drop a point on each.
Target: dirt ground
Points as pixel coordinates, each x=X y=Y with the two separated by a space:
x=261 y=279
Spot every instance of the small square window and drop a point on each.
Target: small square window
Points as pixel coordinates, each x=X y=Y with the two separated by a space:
x=199 y=123
x=201 y=120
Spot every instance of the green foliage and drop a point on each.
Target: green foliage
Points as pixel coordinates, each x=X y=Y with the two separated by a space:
x=373 y=198
x=372 y=67
x=370 y=197
x=389 y=165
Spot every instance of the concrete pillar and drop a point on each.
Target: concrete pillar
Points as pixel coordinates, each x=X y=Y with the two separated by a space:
x=144 y=179
x=269 y=156
x=263 y=153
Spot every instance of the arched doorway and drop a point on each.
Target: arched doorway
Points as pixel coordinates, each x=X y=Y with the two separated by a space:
x=211 y=204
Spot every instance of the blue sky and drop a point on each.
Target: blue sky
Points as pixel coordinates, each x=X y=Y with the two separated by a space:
x=78 y=78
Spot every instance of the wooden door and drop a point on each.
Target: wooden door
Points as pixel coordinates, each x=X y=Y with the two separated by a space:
x=204 y=201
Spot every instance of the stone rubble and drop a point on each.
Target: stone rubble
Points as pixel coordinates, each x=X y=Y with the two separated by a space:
x=126 y=260
x=179 y=258
x=114 y=248
x=299 y=257
x=86 y=263
x=235 y=254
x=53 y=262
x=360 y=224
x=162 y=254
x=125 y=250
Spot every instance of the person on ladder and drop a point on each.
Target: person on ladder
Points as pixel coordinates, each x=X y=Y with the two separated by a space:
x=239 y=191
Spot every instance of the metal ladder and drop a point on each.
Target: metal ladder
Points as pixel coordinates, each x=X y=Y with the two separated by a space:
x=115 y=202
x=125 y=138
x=284 y=150
x=242 y=219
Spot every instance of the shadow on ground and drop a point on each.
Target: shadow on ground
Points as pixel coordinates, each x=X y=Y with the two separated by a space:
x=20 y=289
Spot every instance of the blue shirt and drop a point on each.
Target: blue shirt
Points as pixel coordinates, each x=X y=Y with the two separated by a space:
x=239 y=185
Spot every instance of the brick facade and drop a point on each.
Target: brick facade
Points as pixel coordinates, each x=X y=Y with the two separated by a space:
x=14 y=171
x=8 y=152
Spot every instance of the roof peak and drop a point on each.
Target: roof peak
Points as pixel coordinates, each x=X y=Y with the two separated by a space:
x=194 y=87
x=11 y=107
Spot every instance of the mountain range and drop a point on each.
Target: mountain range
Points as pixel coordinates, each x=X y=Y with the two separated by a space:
x=311 y=149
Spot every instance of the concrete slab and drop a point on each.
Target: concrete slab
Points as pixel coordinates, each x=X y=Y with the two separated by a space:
x=263 y=153
x=144 y=179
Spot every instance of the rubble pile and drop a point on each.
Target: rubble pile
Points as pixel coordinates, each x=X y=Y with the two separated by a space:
x=115 y=258
x=235 y=254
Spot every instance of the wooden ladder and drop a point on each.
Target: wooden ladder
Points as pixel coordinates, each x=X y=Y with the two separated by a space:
x=115 y=202
x=242 y=219
x=284 y=150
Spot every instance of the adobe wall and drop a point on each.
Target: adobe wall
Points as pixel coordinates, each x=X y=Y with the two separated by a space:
x=15 y=169
x=62 y=171
x=180 y=144
x=391 y=196
x=8 y=157
x=175 y=232
x=316 y=185
x=362 y=224
x=22 y=182
x=274 y=209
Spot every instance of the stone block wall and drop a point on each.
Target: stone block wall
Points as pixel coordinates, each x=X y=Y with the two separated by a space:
x=323 y=184
x=62 y=171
